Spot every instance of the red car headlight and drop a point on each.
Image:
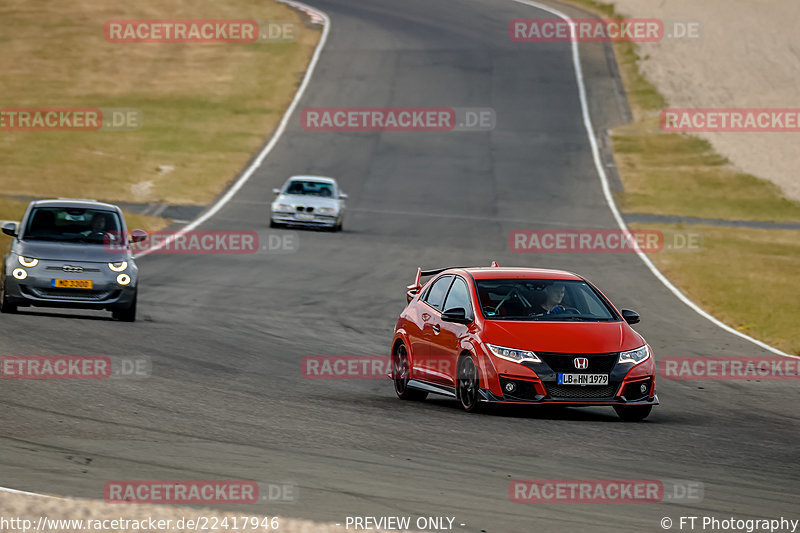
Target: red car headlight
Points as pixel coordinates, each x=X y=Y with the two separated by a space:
x=635 y=356
x=513 y=354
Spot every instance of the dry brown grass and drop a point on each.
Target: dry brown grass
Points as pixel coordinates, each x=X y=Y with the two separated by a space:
x=206 y=107
x=746 y=277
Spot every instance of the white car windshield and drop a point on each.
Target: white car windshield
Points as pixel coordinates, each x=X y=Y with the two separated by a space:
x=310 y=188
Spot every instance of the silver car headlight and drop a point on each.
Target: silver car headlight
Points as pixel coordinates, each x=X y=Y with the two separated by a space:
x=283 y=207
x=635 y=356
x=512 y=354
x=118 y=267
x=326 y=211
x=27 y=261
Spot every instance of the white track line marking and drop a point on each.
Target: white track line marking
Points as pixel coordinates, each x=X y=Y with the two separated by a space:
x=587 y=122
x=256 y=163
x=23 y=493
x=316 y=16
x=595 y=153
x=231 y=192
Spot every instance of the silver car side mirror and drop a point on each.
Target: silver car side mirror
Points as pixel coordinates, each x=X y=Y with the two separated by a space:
x=10 y=229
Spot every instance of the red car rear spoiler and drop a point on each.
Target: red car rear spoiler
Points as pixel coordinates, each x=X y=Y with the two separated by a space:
x=414 y=288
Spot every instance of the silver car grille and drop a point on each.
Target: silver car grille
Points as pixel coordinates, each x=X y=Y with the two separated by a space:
x=73 y=269
x=71 y=294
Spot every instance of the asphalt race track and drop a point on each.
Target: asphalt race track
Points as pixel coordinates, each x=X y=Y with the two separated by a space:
x=226 y=333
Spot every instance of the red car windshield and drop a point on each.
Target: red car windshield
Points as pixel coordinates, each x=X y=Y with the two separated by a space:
x=542 y=299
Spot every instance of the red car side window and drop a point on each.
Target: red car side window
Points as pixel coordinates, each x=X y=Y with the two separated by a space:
x=459 y=297
x=435 y=296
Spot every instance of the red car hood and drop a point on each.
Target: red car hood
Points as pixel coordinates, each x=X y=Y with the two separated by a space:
x=563 y=337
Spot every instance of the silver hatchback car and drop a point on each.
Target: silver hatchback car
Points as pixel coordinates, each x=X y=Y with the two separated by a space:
x=313 y=201
x=71 y=253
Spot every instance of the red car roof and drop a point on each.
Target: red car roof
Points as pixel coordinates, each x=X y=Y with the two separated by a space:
x=519 y=272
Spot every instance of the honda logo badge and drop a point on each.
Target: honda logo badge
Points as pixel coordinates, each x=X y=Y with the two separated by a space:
x=581 y=363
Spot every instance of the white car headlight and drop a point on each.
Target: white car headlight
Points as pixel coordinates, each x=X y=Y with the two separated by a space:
x=512 y=354
x=118 y=267
x=326 y=211
x=123 y=279
x=635 y=356
x=283 y=207
x=27 y=261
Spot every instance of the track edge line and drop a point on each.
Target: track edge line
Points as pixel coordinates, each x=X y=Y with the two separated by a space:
x=587 y=123
x=276 y=136
x=250 y=169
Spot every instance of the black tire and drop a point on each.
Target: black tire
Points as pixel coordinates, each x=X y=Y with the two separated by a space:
x=337 y=227
x=467 y=386
x=401 y=372
x=5 y=306
x=126 y=315
x=634 y=413
x=273 y=224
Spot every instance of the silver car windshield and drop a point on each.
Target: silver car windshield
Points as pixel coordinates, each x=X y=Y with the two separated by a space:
x=72 y=224
x=310 y=188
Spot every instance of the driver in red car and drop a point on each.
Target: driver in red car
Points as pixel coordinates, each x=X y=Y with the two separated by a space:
x=554 y=294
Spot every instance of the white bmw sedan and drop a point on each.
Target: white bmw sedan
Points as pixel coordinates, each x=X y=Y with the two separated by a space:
x=313 y=201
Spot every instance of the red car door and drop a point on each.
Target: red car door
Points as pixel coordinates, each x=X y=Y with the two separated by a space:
x=445 y=341
x=416 y=318
x=430 y=307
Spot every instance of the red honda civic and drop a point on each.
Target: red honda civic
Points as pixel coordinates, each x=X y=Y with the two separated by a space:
x=520 y=336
